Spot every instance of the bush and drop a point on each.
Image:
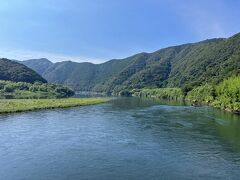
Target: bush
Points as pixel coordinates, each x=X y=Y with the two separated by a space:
x=33 y=88
x=162 y=93
x=202 y=94
x=8 y=88
x=2 y=84
x=228 y=94
x=125 y=93
x=64 y=92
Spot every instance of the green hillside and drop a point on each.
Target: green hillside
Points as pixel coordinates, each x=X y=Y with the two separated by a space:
x=84 y=76
x=185 y=66
x=13 y=71
x=39 y=65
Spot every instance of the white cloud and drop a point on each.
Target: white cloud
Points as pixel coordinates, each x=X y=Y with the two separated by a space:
x=19 y=54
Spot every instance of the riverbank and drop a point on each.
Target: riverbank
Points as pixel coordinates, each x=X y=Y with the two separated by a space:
x=225 y=95
x=191 y=98
x=175 y=94
x=37 y=90
x=21 y=105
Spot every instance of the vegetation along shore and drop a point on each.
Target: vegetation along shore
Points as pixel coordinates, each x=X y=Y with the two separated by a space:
x=23 y=96
x=20 y=105
x=225 y=95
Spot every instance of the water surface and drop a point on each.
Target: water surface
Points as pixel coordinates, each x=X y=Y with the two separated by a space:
x=128 y=138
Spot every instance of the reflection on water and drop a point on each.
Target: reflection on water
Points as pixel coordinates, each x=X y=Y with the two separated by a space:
x=228 y=128
x=128 y=138
x=87 y=94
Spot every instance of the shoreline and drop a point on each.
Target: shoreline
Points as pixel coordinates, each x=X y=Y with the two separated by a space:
x=188 y=102
x=8 y=106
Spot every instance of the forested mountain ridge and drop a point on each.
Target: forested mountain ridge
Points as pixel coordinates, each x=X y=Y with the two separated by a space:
x=184 y=66
x=13 y=71
x=38 y=65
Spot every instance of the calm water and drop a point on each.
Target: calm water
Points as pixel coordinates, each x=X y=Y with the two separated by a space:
x=128 y=138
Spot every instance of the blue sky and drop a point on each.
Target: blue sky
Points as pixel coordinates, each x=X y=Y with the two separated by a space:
x=100 y=30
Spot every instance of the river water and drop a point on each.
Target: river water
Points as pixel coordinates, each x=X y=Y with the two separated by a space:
x=128 y=138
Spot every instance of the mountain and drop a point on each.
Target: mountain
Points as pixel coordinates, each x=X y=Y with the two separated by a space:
x=13 y=71
x=38 y=65
x=187 y=65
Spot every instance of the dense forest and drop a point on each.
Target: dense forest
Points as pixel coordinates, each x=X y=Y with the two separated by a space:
x=13 y=71
x=185 y=66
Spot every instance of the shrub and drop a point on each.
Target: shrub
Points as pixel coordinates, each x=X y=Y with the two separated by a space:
x=202 y=94
x=125 y=93
x=2 y=84
x=228 y=94
x=64 y=92
x=162 y=93
x=8 y=88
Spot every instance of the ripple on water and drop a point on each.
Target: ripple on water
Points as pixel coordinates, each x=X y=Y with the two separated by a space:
x=129 y=138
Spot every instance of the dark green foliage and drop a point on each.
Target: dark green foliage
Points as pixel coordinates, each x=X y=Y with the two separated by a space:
x=8 y=88
x=13 y=71
x=62 y=92
x=125 y=93
x=22 y=90
x=186 y=88
x=185 y=66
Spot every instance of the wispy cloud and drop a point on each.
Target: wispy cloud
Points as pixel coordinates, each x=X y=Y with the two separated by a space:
x=19 y=54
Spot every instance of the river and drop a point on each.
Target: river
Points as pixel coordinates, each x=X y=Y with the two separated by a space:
x=128 y=138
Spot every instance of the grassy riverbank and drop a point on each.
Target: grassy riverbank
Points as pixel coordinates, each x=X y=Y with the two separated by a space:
x=225 y=95
x=20 y=105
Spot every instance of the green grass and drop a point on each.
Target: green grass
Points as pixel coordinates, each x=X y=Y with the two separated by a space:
x=21 y=105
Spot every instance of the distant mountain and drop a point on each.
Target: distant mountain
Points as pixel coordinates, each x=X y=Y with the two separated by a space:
x=13 y=71
x=83 y=76
x=38 y=65
x=184 y=65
